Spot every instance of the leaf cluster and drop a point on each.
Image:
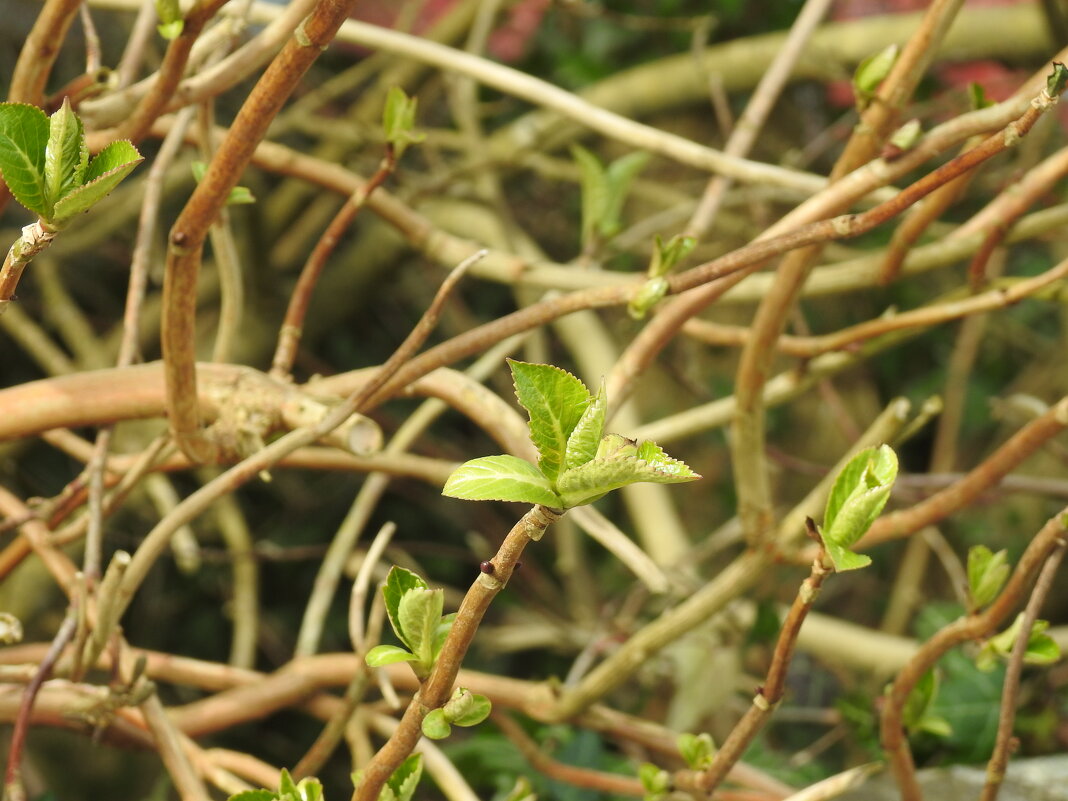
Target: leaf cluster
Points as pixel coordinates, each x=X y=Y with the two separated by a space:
x=415 y=612
x=45 y=162
x=578 y=462
x=305 y=790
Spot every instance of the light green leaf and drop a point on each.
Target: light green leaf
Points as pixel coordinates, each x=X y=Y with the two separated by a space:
x=987 y=574
x=655 y=781
x=1041 y=648
x=238 y=196
x=666 y=256
x=23 y=139
x=436 y=725
x=500 y=478
x=254 y=795
x=648 y=295
x=919 y=702
x=465 y=708
x=588 y=482
x=586 y=435
x=382 y=655
x=652 y=453
x=594 y=186
x=103 y=174
x=442 y=632
x=406 y=778
x=871 y=72
x=859 y=494
x=171 y=23
x=398 y=121
x=555 y=401
x=616 y=446
x=619 y=176
x=398 y=582
x=66 y=155
x=696 y=749
x=419 y=614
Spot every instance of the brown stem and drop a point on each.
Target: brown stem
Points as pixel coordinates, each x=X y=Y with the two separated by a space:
x=999 y=760
x=293 y=324
x=189 y=231
x=438 y=686
x=971 y=627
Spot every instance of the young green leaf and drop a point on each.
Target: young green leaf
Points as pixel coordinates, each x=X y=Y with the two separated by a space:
x=419 y=614
x=586 y=435
x=254 y=795
x=465 y=708
x=648 y=295
x=171 y=22
x=398 y=582
x=441 y=633
x=588 y=482
x=594 y=187
x=500 y=478
x=23 y=140
x=987 y=574
x=696 y=749
x=871 y=72
x=406 y=778
x=619 y=176
x=555 y=401
x=238 y=196
x=667 y=255
x=859 y=494
x=1041 y=648
x=655 y=781
x=436 y=725
x=103 y=174
x=382 y=655
x=917 y=715
x=398 y=121
x=66 y=155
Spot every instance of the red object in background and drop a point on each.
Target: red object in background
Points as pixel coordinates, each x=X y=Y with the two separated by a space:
x=509 y=42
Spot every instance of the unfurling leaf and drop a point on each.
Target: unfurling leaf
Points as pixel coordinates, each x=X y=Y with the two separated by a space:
x=238 y=196
x=696 y=749
x=871 y=72
x=500 y=478
x=604 y=190
x=586 y=435
x=382 y=655
x=648 y=295
x=398 y=120
x=106 y=171
x=171 y=22
x=917 y=715
x=859 y=494
x=436 y=725
x=1041 y=648
x=465 y=708
x=66 y=155
x=987 y=574
x=419 y=613
x=555 y=401
x=399 y=582
x=623 y=466
x=655 y=781
x=23 y=139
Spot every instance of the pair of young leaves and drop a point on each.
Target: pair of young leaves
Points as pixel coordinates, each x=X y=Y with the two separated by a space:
x=577 y=462
x=46 y=165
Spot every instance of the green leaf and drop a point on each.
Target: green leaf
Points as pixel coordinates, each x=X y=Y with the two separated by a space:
x=66 y=155
x=103 y=174
x=655 y=781
x=648 y=295
x=871 y=72
x=586 y=435
x=238 y=196
x=382 y=655
x=254 y=795
x=406 y=778
x=398 y=582
x=436 y=725
x=588 y=482
x=1041 y=648
x=398 y=121
x=666 y=256
x=987 y=574
x=171 y=23
x=916 y=712
x=286 y=785
x=906 y=137
x=442 y=632
x=594 y=186
x=23 y=140
x=419 y=614
x=619 y=176
x=977 y=97
x=1057 y=79
x=859 y=494
x=465 y=708
x=500 y=478
x=696 y=749
x=555 y=401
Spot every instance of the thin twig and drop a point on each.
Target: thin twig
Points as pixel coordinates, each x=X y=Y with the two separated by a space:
x=1003 y=743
